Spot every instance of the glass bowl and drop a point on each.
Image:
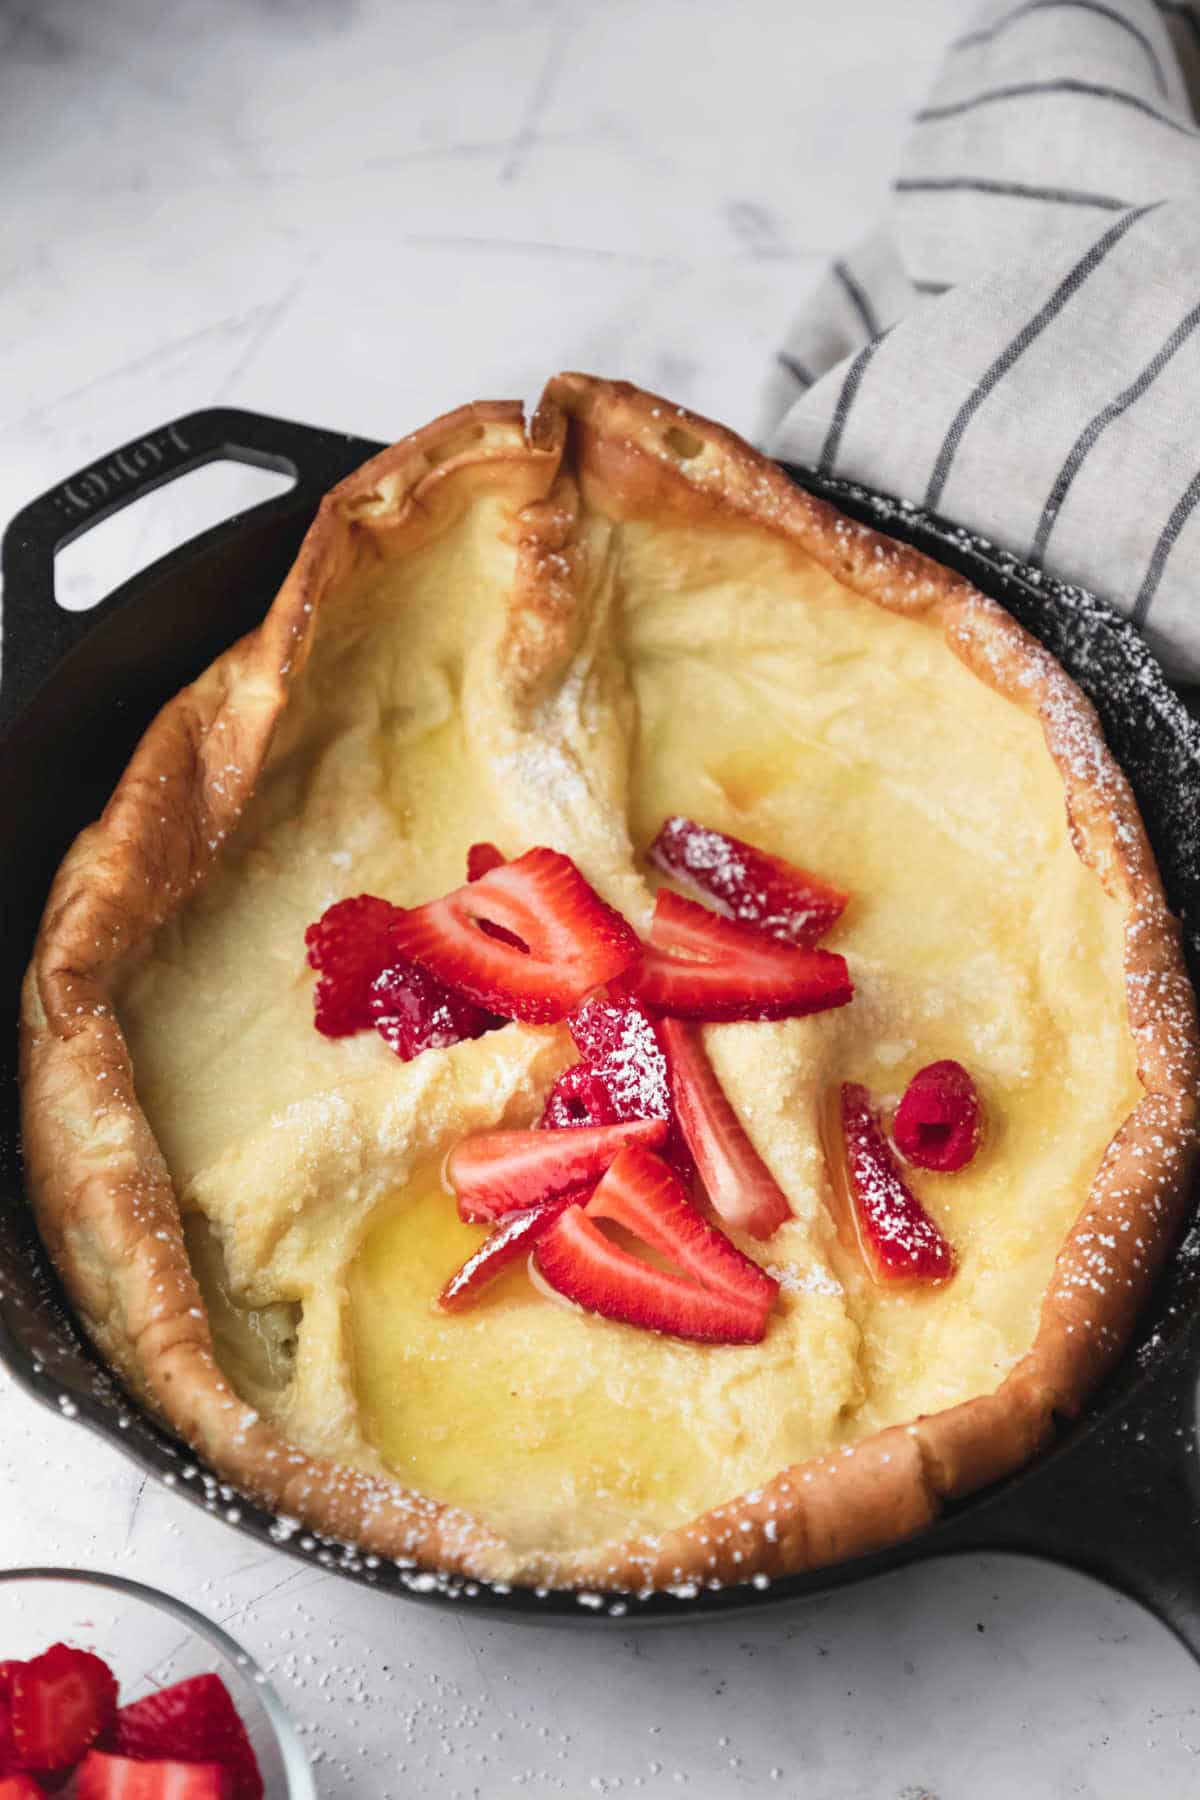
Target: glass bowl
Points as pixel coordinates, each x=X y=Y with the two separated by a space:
x=150 y=1640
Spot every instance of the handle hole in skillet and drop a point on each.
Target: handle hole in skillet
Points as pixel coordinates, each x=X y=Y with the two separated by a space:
x=118 y=547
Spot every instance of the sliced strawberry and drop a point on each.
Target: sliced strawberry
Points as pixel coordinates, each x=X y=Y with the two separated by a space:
x=60 y=1703
x=8 y=1755
x=619 y=1046
x=616 y=1039
x=500 y=1172
x=939 y=1122
x=366 y=981
x=640 y=1193
x=192 y=1721
x=516 y=1234
x=8 y=1750
x=413 y=1011
x=19 y=1786
x=572 y=940
x=580 y=1096
x=701 y=966
x=348 y=946
x=739 y=1185
x=105 y=1777
x=579 y=1261
x=749 y=885
x=899 y=1239
x=482 y=859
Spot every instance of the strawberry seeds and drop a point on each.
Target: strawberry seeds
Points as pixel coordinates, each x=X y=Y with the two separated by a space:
x=638 y=1135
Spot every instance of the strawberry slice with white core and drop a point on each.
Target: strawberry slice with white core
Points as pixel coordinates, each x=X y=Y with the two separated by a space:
x=702 y=966
x=570 y=940
x=59 y=1703
x=899 y=1239
x=576 y=1258
x=748 y=884
x=191 y=1721
x=640 y=1193
x=105 y=1777
x=482 y=859
x=515 y=1236
x=500 y=1172
x=939 y=1122
x=740 y=1187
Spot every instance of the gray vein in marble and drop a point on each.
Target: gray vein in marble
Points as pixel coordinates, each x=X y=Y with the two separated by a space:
x=563 y=30
x=149 y=360
x=272 y=319
x=522 y=247
x=134 y=1510
x=298 y=1578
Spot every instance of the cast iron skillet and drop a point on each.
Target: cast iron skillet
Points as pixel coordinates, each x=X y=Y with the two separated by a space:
x=1117 y=1496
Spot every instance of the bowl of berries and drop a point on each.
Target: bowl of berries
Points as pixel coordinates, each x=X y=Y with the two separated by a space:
x=114 y=1691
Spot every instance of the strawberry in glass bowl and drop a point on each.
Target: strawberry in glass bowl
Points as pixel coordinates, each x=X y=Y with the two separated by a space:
x=114 y=1691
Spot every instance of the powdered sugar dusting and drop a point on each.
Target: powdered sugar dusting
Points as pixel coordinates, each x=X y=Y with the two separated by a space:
x=746 y=883
x=903 y=1238
x=620 y=1041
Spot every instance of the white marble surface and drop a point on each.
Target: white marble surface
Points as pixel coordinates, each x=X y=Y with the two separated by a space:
x=359 y=213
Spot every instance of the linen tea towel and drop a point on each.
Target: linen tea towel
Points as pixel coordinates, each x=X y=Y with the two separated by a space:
x=1019 y=347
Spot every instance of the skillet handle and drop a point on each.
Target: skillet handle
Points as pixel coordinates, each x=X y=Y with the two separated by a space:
x=1121 y=1504
x=35 y=632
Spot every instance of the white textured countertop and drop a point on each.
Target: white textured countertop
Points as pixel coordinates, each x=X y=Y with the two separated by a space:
x=357 y=214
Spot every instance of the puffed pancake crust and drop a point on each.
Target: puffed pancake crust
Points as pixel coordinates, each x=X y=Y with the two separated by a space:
x=561 y=634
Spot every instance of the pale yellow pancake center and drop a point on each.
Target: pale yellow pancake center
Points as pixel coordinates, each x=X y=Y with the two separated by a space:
x=728 y=678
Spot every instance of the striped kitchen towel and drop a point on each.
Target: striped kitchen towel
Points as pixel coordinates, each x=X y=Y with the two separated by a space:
x=1019 y=348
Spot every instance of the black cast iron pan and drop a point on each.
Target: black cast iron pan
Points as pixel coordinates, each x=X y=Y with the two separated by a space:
x=1117 y=1496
